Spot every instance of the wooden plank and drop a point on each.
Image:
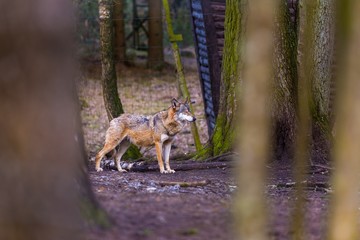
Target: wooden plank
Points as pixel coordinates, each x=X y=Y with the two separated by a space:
x=219 y=25
x=219 y=17
x=218 y=7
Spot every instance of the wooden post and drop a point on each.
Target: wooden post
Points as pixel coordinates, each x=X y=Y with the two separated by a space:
x=174 y=38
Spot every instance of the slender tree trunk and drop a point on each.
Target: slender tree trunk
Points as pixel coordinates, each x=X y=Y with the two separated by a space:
x=344 y=217
x=43 y=173
x=174 y=38
x=223 y=137
x=155 y=53
x=323 y=44
x=285 y=95
x=112 y=101
x=255 y=122
x=120 y=45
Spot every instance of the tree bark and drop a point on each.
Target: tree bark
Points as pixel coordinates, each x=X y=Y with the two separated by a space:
x=322 y=77
x=155 y=52
x=285 y=82
x=43 y=176
x=323 y=59
x=120 y=44
x=112 y=101
x=223 y=137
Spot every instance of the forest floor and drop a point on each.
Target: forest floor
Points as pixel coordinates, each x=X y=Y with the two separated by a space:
x=142 y=207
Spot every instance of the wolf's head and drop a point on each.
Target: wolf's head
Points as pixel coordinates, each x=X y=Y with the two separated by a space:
x=182 y=110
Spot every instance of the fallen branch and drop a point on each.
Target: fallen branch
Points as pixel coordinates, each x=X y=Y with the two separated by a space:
x=322 y=186
x=184 y=184
x=223 y=157
x=322 y=166
x=145 y=166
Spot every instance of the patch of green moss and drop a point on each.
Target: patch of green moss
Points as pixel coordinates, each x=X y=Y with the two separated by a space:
x=190 y=232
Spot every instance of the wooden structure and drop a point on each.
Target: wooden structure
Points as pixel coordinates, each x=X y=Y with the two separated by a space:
x=139 y=24
x=208 y=18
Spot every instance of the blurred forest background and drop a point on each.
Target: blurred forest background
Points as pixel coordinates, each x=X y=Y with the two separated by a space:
x=88 y=27
x=281 y=160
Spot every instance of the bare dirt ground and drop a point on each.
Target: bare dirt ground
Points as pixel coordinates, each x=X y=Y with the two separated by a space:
x=141 y=207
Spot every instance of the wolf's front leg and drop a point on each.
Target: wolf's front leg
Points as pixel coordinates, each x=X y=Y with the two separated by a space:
x=167 y=148
x=158 y=147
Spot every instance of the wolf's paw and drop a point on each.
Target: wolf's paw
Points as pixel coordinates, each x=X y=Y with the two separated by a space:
x=99 y=169
x=122 y=170
x=163 y=171
x=170 y=171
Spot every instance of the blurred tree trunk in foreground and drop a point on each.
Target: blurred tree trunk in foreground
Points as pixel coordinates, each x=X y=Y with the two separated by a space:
x=250 y=213
x=315 y=56
x=43 y=179
x=118 y=18
x=155 y=52
x=344 y=217
x=285 y=81
x=224 y=133
x=306 y=63
x=112 y=101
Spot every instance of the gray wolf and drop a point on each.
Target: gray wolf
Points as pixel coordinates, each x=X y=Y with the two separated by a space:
x=145 y=131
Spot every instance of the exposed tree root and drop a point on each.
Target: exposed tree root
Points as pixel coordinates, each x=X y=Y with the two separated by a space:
x=315 y=186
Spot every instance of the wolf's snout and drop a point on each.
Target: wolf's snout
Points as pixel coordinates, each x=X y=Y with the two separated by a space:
x=194 y=119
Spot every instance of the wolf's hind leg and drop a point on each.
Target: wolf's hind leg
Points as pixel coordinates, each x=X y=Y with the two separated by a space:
x=107 y=148
x=123 y=146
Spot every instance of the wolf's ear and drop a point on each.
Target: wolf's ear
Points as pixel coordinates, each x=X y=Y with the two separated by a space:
x=174 y=102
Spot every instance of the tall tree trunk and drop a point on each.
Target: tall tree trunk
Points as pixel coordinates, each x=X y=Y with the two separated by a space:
x=255 y=122
x=223 y=137
x=285 y=82
x=120 y=44
x=323 y=44
x=155 y=52
x=344 y=217
x=112 y=101
x=43 y=173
